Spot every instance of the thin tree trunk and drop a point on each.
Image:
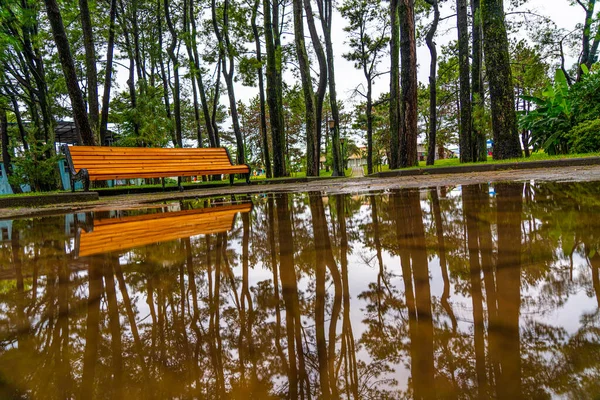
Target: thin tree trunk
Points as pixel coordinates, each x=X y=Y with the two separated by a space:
x=6 y=156
x=275 y=85
x=312 y=155
x=322 y=86
x=326 y=11
x=163 y=73
x=85 y=134
x=108 y=73
x=90 y=63
x=203 y=100
x=187 y=16
x=228 y=69
x=261 y=92
x=176 y=87
x=466 y=148
x=477 y=88
x=432 y=82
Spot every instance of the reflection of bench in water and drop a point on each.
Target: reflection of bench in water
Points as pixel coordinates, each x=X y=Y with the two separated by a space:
x=117 y=234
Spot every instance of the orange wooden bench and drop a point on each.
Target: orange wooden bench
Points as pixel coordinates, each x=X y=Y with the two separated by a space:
x=120 y=234
x=100 y=163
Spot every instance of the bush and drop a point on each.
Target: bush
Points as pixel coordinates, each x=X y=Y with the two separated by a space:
x=585 y=137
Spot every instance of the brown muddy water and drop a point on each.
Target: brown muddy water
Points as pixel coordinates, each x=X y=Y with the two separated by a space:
x=485 y=291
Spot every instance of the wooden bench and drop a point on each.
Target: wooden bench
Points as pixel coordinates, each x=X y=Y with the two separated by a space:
x=100 y=163
x=121 y=234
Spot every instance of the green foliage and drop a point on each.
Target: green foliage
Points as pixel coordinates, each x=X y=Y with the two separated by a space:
x=35 y=167
x=585 y=137
x=551 y=120
x=563 y=113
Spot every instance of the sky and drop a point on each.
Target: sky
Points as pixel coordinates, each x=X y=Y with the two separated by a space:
x=348 y=78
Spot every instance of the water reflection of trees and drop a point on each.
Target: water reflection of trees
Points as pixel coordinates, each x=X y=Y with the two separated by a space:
x=461 y=302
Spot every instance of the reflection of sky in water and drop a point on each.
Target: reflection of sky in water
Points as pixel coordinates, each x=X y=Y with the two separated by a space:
x=555 y=298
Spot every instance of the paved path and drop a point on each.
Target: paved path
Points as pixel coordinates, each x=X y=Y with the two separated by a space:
x=358 y=172
x=329 y=186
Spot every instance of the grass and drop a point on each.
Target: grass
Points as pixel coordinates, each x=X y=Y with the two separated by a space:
x=455 y=162
x=29 y=194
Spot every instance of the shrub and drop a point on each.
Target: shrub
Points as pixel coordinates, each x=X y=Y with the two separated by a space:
x=585 y=137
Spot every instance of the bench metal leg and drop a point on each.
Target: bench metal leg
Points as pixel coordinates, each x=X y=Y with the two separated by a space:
x=248 y=178
x=231 y=178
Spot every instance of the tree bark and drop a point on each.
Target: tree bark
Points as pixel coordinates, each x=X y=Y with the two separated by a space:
x=394 y=161
x=176 y=86
x=326 y=11
x=409 y=81
x=466 y=149
x=228 y=69
x=261 y=92
x=432 y=82
x=6 y=156
x=91 y=71
x=312 y=155
x=108 y=73
x=85 y=134
x=322 y=86
x=211 y=132
x=477 y=88
x=504 y=118
x=275 y=85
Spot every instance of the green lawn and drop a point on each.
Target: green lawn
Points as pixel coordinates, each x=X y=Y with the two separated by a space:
x=455 y=162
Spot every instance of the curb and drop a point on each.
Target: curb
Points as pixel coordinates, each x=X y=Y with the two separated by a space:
x=570 y=162
x=43 y=200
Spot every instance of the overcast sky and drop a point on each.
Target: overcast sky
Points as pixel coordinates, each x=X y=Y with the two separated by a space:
x=347 y=77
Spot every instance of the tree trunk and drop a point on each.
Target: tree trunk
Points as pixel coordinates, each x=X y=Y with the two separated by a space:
x=163 y=73
x=588 y=56
x=477 y=89
x=369 y=112
x=504 y=118
x=176 y=86
x=108 y=73
x=394 y=161
x=432 y=82
x=228 y=69
x=131 y=79
x=326 y=11
x=187 y=16
x=466 y=149
x=409 y=111
x=322 y=86
x=312 y=155
x=90 y=63
x=275 y=85
x=261 y=92
x=203 y=100
x=6 y=156
x=85 y=134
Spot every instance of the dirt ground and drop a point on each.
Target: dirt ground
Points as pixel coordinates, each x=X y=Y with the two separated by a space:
x=330 y=186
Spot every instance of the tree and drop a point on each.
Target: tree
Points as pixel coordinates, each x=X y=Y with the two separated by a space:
x=275 y=84
x=368 y=37
x=502 y=96
x=432 y=82
x=466 y=148
x=312 y=152
x=409 y=82
x=395 y=114
x=62 y=44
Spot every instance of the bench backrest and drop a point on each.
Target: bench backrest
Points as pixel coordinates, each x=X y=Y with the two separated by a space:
x=120 y=234
x=143 y=162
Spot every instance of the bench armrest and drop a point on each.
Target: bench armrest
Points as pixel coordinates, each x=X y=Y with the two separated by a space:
x=81 y=175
